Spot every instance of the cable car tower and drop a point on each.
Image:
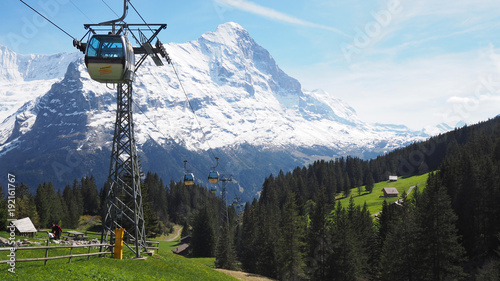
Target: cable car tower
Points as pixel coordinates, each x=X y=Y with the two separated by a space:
x=110 y=58
x=224 y=216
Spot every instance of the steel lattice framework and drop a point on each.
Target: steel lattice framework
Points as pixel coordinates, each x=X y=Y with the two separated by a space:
x=123 y=203
x=224 y=217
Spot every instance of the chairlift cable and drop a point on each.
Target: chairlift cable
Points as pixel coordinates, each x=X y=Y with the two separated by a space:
x=47 y=19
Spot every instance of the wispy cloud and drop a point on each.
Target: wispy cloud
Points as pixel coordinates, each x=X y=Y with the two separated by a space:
x=417 y=92
x=269 y=13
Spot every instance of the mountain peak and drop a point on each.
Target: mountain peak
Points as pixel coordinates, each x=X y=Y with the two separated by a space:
x=230 y=26
x=229 y=34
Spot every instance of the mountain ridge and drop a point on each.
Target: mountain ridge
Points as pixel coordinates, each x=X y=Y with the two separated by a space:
x=244 y=106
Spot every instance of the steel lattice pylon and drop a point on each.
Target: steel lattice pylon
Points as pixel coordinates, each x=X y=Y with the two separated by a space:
x=123 y=199
x=224 y=217
x=123 y=203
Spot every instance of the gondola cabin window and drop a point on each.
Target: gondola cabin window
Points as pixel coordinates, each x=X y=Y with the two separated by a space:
x=111 y=47
x=110 y=59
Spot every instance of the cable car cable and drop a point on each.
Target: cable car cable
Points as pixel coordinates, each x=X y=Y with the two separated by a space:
x=164 y=136
x=212 y=187
x=110 y=8
x=130 y=2
x=192 y=109
x=81 y=11
x=47 y=19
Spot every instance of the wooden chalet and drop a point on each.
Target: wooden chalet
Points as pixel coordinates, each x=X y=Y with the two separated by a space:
x=181 y=250
x=390 y=192
x=393 y=178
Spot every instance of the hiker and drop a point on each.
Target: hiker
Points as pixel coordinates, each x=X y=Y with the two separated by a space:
x=56 y=229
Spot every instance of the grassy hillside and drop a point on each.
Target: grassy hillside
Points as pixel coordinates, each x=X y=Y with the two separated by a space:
x=162 y=266
x=375 y=199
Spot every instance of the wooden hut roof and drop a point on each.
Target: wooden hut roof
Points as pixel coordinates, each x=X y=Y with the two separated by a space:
x=24 y=225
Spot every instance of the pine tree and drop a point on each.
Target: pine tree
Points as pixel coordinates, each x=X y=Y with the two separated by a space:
x=318 y=239
x=225 y=256
x=91 y=200
x=47 y=204
x=369 y=183
x=268 y=218
x=385 y=219
x=399 y=252
x=185 y=229
x=74 y=211
x=203 y=238
x=249 y=238
x=157 y=197
x=151 y=221
x=440 y=252
x=341 y=263
x=360 y=231
x=290 y=252
x=368 y=240
x=25 y=204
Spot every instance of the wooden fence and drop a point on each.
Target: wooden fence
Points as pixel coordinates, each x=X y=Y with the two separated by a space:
x=71 y=255
x=154 y=245
x=108 y=250
x=157 y=247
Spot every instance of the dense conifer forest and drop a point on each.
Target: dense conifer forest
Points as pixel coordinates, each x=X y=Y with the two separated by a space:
x=296 y=230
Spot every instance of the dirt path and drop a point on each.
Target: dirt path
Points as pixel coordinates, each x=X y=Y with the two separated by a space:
x=177 y=233
x=240 y=275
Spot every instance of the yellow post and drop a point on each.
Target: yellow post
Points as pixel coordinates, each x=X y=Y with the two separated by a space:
x=119 y=243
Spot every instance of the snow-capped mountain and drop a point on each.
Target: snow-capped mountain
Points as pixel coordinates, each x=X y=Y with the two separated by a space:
x=57 y=124
x=442 y=128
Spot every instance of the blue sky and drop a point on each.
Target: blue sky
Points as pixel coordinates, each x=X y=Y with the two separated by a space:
x=417 y=63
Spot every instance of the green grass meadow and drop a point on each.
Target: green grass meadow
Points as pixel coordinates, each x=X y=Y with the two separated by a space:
x=162 y=266
x=375 y=199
